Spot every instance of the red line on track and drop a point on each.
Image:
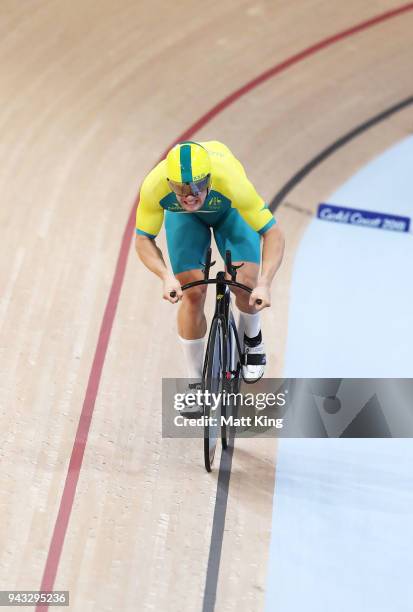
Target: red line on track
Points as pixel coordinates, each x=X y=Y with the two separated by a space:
x=76 y=459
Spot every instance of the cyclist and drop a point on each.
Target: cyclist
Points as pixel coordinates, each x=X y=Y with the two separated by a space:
x=199 y=186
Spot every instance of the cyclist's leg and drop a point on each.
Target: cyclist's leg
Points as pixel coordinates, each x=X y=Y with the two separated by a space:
x=191 y=317
x=188 y=239
x=235 y=234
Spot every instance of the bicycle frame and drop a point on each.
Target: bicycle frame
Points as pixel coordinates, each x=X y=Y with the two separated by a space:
x=223 y=312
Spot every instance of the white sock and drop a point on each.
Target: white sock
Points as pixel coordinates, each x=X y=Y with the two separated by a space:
x=251 y=323
x=194 y=356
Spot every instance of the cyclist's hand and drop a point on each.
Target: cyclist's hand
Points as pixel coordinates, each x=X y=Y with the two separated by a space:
x=172 y=284
x=263 y=293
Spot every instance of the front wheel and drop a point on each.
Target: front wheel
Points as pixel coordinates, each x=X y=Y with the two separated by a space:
x=213 y=383
x=231 y=382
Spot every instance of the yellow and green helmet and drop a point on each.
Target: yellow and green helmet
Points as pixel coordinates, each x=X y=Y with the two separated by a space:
x=188 y=168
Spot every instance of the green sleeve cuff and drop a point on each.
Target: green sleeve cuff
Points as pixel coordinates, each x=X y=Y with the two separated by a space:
x=142 y=233
x=267 y=226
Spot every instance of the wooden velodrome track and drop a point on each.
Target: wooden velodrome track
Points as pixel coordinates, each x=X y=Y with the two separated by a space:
x=92 y=93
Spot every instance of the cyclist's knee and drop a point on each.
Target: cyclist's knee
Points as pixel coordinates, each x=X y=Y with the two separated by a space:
x=195 y=297
x=247 y=275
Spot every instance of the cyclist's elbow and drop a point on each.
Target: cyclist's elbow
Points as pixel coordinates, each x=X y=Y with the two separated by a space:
x=142 y=243
x=275 y=233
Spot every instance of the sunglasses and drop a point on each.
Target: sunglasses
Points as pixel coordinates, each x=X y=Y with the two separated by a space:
x=193 y=188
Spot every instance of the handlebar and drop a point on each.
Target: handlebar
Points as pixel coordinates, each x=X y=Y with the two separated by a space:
x=214 y=281
x=231 y=269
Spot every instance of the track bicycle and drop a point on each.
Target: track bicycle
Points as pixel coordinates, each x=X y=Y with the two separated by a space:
x=224 y=356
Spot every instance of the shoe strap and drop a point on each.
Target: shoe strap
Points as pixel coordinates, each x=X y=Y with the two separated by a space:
x=253 y=359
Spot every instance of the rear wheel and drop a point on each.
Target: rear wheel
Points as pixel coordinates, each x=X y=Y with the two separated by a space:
x=213 y=383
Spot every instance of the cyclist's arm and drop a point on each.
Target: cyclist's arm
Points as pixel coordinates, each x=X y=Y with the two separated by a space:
x=272 y=254
x=151 y=255
x=258 y=216
x=149 y=219
x=256 y=213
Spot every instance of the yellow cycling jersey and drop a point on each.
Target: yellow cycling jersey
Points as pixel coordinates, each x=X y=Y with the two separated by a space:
x=230 y=188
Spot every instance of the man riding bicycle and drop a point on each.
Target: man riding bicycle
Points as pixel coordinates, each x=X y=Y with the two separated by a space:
x=199 y=186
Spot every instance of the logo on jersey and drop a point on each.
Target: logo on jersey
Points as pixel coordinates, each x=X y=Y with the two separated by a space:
x=174 y=206
x=215 y=202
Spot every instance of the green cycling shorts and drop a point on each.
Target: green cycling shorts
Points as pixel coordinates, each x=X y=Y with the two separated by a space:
x=189 y=236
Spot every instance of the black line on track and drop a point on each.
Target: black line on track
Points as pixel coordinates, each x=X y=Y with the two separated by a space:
x=297 y=208
x=221 y=502
x=327 y=152
x=218 y=525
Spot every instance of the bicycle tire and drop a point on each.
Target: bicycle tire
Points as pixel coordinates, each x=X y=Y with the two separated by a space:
x=229 y=384
x=212 y=381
